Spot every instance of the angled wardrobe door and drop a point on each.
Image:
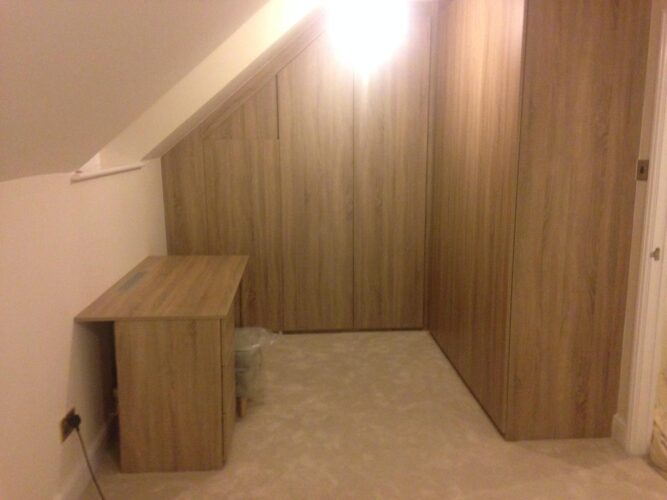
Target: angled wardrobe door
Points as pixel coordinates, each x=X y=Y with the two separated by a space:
x=315 y=99
x=243 y=201
x=390 y=161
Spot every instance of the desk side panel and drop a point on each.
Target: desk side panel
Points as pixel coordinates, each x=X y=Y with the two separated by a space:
x=169 y=395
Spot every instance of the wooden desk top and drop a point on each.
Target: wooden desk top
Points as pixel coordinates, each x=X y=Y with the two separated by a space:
x=174 y=287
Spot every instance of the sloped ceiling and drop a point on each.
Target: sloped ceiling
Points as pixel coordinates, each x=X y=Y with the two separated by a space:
x=74 y=74
x=212 y=81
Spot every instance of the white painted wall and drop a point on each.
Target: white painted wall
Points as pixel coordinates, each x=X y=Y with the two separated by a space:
x=61 y=245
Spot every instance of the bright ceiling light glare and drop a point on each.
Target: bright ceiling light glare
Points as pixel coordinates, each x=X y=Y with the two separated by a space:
x=365 y=33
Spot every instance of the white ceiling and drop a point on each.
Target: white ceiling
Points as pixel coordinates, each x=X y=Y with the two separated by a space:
x=75 y=73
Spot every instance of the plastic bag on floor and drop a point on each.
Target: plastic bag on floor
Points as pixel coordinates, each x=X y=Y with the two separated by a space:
x=248 y=345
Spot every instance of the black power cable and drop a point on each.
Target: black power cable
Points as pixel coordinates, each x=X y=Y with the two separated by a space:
x=74 y=422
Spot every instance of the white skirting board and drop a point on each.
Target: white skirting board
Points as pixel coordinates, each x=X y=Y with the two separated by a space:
x=77 y=482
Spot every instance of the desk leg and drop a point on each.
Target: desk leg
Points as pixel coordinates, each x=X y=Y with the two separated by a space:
x=228 y=382
x=169 y=395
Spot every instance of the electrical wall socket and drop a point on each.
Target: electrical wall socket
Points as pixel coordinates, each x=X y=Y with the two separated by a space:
x=65 y=428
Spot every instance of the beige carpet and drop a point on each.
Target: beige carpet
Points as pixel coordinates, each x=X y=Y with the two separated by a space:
x=384 y=415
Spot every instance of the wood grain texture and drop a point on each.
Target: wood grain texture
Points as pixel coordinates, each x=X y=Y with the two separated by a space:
x=475 y=164
x=175 y=287
x=238 y=151
x=183 y=185
x=228 y=407
x=227 y=340
x=237 y=305
x=584 y=79
x=169 y=395
x=430 y=158
x=244 y=203
x=256 y=118
x=391 y=132
x=316 y=149
x=228 y=384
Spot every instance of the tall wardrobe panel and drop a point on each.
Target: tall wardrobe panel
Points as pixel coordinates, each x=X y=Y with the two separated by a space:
x=184 y=190
x=390 y=162
x=584 y=68
x=315 y=94
x=474 y=190
x=241 y=159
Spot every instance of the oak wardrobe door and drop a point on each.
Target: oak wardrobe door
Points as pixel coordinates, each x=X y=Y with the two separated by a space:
x=474 y=190
x=315 y=98
x=183 y=188
x=241 y=159
x=582 y=104
x=391 y=132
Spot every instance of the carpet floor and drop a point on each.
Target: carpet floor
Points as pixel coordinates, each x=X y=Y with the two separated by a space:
x=384 y=416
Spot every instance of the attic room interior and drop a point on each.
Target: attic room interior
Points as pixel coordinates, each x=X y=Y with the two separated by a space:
x=294 y=249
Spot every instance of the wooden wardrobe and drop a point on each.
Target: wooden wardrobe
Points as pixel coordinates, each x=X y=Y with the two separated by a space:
x=537 y=125
x=501 y=141
x=319 y=175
